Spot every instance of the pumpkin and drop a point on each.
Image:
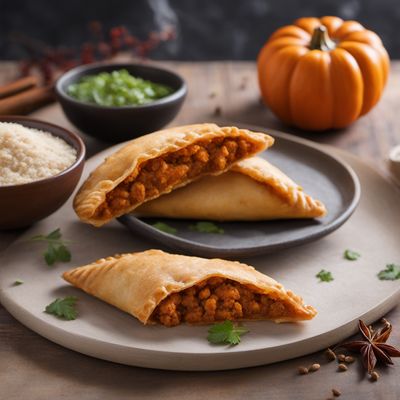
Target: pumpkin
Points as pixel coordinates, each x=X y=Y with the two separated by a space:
x=322 y=73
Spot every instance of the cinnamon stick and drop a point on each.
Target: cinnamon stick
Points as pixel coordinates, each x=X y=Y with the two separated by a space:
x=18 y=86
x=26 y=101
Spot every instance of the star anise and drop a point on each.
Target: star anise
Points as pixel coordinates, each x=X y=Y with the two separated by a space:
x=373 y=346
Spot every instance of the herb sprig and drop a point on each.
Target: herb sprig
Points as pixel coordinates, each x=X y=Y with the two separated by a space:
x=162 y=226
x=56 y=247
x=63 y=308
x=206 y=227
x=391 y=273
x=351 y=255
x=324 y=276
x=226 y=333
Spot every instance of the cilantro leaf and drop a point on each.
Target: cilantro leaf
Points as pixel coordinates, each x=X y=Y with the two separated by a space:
x=225 y=333
x=18 y=282
x=391 y=273
x=56 y=247
x=63 y=254
x=50 y=255
x=351 y=255
x=55 y=235
x=324 y=276
x=162 y=226
x=206 y=227
x=63 y=308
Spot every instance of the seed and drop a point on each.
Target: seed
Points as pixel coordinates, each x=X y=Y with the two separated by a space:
x=374 y=376
x=218 y=111
x=314 y=367
x=303 y=370
x=342 y=367
x=330 y=355
x=349 y=359
x=336 y=392
x=341 y=357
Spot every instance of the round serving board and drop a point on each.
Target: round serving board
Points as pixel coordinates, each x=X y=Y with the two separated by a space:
x=105 y=332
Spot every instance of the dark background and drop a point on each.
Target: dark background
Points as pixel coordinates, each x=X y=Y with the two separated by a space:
x=206 y=29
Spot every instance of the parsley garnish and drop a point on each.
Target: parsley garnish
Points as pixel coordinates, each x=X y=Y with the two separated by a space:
x=56 y=247
x=324 y=276
x=63 y=308
x=225 y=333
x=18 y=282
x=391 y=273
x=351 y=255
x=206 y=227
x=162 y=226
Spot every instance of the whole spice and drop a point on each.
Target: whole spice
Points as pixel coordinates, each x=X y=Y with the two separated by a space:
x=374 y=376
x=349 y=359
x=341 y=357
x=314 y=367
x=342 y=367
x=373 y=346
x=336 y=392
x=302 y=370
x=330 y=355
x=218 y=111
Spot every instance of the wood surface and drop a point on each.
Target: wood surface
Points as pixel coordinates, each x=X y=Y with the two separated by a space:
x=33 y=368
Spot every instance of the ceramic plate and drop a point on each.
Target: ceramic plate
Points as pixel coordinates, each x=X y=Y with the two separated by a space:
x=105 y=332
x=321 y=174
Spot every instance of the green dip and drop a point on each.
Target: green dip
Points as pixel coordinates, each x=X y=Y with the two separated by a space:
x=117 y=89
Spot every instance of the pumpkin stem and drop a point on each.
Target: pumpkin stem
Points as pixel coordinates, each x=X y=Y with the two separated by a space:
x=320 y=40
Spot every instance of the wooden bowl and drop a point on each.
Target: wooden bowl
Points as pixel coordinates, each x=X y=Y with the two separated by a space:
x=22 y=205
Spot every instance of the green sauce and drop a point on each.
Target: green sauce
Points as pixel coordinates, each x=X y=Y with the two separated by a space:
x=117 y=89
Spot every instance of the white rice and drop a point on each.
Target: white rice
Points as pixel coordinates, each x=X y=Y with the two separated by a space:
x=28 y=155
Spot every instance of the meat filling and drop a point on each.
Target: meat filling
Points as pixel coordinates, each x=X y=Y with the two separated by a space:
x=157 y=175
x=218 y=299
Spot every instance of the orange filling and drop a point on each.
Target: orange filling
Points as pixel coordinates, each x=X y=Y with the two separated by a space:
x=160 y=174
x=218 y=299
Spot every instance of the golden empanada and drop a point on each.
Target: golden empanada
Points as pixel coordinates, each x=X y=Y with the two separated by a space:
x=157 y=163
x=157 y=287
x=252 y=189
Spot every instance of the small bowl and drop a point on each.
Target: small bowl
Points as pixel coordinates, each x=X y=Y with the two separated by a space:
x=117 y=124
x=22 y=205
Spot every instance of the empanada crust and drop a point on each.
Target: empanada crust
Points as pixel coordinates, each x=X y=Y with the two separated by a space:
x=252 y=189
x=127 y=159
x=137 y=282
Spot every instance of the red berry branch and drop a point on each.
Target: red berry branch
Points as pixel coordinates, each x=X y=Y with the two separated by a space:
x=102 y=45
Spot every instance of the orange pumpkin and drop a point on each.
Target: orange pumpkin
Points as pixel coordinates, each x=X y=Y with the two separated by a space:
x=322 y=73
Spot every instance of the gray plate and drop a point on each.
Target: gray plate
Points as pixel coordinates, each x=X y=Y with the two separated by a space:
x=322 y=175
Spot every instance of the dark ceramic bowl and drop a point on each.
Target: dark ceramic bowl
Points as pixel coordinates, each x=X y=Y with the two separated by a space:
x=22 y=205
x=117 y=124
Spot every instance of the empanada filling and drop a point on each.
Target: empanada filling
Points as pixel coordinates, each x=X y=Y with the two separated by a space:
x=218 y=299
x=160 y=174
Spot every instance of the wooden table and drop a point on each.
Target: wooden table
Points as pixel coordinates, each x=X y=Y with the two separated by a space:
x=33 y=368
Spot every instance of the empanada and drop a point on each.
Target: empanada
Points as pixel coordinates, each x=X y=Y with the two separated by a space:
x=252 y=189
x=157 y=287
x=157 y=163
